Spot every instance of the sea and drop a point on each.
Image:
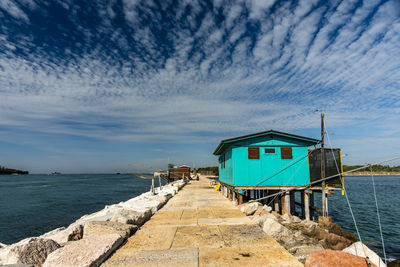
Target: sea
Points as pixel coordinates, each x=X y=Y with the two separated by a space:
x=32 y=205
x=361 y=197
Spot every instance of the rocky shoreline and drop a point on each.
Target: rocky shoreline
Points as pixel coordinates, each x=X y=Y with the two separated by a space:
x=92 y=238
x=368 y=173
x=312 y=243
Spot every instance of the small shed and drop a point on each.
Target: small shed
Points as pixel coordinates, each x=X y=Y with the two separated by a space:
x=270 y=159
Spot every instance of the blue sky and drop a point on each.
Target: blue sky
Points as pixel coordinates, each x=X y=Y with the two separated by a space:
x=91 y=86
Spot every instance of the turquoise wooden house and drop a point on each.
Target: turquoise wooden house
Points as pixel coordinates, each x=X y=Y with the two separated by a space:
x=268 y=160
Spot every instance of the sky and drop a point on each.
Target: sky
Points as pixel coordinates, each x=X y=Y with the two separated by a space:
x=93 y=86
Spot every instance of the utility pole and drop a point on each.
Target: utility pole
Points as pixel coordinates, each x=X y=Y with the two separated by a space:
x=323 y=185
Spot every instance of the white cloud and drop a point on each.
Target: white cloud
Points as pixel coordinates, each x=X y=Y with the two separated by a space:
x=224 y=80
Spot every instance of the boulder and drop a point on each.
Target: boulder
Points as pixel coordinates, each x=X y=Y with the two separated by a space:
x=131 y=217
x=28 y=251
x=105 y=228
x=10 y=254
x=287 y=218
x=302 y=251
x=325 y=223
x=250 y=208
x=267 y=208
x=276 y=230
x=361 y=250
x=330 y=258
x=261 y=219
x=18 y=265
x=87 y=252
x=36 y=251
x=296 y=219
x=62 y=235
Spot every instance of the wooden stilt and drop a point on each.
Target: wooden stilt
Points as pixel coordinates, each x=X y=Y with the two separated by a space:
x=276 y=204
x=283 y=204
x=306 y=197
x=311 y=205
x=302 y=215
x=240 y=199
x=287 y=203
x=291 y=199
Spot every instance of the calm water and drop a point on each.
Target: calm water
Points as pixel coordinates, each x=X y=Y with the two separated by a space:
x=360 y=193
x=31 y=205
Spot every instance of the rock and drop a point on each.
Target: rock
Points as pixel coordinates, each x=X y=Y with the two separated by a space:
x=296 y=219
x=287 y=218
x=267 y=208
x=330 y=258
x=326 y=223
x=259 y=211
x=276 y=230
x=261 y=219
x=250 y=208
x=301 y=252
x=10 y=254
x=87 y=252
x=36 y=251
x=28 y=251
x=103 y=228
x=131 y=217
x=18 y=265
x=361 y=250
x=62 y=235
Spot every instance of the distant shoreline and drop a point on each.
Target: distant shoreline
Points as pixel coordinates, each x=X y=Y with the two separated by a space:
x=368 y=173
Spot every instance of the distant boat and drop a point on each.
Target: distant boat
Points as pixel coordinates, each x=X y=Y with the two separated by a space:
x=55 y=173
x=117 y=173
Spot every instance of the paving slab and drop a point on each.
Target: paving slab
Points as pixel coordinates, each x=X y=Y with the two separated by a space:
x=165 y=258
x=149 y=239
x=224 y=221
x=198 y=236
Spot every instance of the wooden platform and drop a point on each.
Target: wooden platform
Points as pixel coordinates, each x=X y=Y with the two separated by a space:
x=200 y=227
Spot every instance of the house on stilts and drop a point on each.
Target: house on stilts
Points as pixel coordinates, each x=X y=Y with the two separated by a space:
x=279 y=165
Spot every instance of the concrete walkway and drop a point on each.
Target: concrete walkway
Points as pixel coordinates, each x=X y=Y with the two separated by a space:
x=200 y=227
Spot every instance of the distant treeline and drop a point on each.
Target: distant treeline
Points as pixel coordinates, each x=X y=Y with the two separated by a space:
x=375 y=168
x=5 y=171
x=209 y=170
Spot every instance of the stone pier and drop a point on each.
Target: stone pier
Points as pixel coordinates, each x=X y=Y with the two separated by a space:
x=200 y=227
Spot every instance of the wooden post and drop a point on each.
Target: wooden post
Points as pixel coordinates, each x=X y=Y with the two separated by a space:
x=292 y=207
x=287 y=203
x=276 y=204
x=283 y=208
x=312 y=206
x=306 y=205
x=240 y=199
x=324 y=197
x=302 y=215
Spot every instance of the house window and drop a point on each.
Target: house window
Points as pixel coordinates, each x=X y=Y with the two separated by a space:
x=270 y=150
x=254 y=153
x=286 y=153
